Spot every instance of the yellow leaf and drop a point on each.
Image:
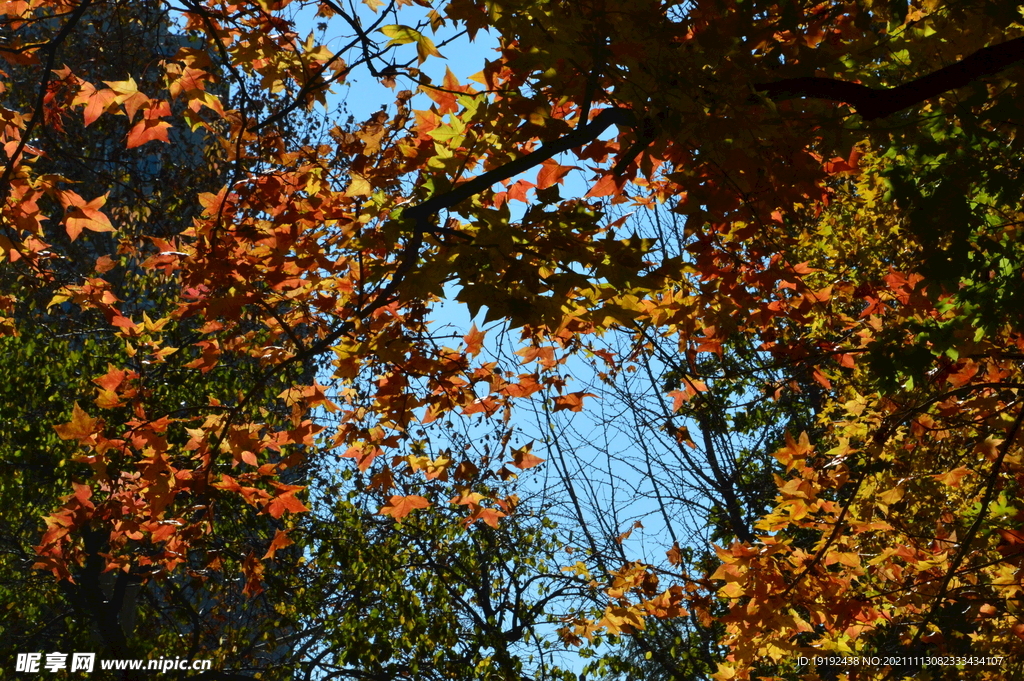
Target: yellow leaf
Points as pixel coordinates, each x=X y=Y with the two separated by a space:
x=359 y=186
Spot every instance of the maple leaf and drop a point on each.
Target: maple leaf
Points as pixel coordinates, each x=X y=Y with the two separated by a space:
x=401 y=35
x=467 y=498
x=363 y=454
x=359 y=186
x=398 y=506
x=81 y=427
x=571 y=401
x=954 y=477
x=252 y=570
x=551 y=173
x=608 y=185
x=280 y=541
x=285 y=502
x=474 y=341
x=518 y=191
x=83 y=215
x=490 y=516
x=523 y=459
x=98 y=102
x=112 y=379
x=147 y=130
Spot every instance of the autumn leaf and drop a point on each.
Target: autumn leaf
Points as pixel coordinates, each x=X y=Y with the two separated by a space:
x=467 y=498
x=147 y=130
x=401 y=35
x=474 y=341
x=84 y=215
x=252 y=571
x=607 y=185
x=280 y=541
x=551 y=173
x=860 y=281
x=523 y=459
x=81 y=427
x=490 y=516
x=954 y=477
x=359 y=186
x=285 y=502
x=571 y=401
x=398 y=507
x=99 y=102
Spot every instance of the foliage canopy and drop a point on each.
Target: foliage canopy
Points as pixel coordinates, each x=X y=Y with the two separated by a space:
x=820 y=281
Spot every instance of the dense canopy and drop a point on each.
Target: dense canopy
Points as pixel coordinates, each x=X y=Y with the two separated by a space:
x=745 y=278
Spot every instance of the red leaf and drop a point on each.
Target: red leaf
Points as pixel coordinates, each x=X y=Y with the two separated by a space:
x=517 y=192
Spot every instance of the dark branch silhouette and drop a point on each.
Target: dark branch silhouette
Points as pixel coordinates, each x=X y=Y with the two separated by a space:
x=872 y=103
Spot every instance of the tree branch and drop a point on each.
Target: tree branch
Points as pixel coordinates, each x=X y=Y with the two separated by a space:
x=872 y=103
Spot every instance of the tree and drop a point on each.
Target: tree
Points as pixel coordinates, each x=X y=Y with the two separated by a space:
x=849 y=179
x=191 y=612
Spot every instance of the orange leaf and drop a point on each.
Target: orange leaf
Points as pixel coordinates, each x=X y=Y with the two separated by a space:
x=523 y=459
x=99 y=102
x=952 y=478
x=552 y=173
x=285 y=502
x=399 y=507
x=608 y=185
x=517 y=192
x=488 y=515
x=467 y=498
x=81 y=427
x=280 y=541
x=112 y=379
x=572 y=401
x=253 y=571
x=363 y=454
x=474 y=341
x=84 y=215
x=147 y=130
